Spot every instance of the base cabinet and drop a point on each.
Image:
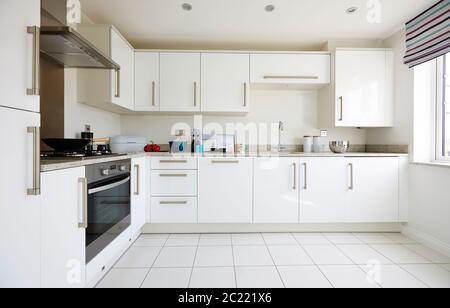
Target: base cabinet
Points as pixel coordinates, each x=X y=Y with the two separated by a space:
x=349 y=190
x=139 y=194
x=63 y=236
x=322 y=190
x=373 y=193
x=276 y=190
x=225 y=190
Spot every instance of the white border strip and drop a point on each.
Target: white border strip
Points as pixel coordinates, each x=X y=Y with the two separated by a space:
x=427 y=240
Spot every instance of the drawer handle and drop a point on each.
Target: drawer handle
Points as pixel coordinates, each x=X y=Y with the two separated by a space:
x=225 y=162
x=35 y=88
x=173 y=175
x=291 y=77
x=173 y=161
x=173 y=202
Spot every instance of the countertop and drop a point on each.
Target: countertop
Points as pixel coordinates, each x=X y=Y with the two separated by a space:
x=55 y=164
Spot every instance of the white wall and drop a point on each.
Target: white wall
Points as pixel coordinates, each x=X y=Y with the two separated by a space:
x=76 y=115
x=297 y=109
x=429 y=196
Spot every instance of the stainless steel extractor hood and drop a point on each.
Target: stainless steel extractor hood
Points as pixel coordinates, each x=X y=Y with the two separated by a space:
x=61 y=43
x=70 y=49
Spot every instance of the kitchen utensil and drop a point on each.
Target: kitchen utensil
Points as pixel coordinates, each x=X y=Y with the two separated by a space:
x=128 y=144
x=66 y=145
x=178 y=146
x=317 y=144
x=339 y=146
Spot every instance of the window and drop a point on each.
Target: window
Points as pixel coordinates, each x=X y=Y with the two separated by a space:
x=443 y=109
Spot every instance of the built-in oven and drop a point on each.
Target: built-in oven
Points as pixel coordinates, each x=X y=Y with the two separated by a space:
x=109 y=204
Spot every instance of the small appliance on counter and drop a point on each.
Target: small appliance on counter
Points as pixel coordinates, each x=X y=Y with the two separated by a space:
x=88 y=135
x=220 y=143
x=127 y=144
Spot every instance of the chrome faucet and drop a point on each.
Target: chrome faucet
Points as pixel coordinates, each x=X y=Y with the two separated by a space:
x=280 y=130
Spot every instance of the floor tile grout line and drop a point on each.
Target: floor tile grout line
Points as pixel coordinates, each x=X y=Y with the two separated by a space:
x=193 y=263
x=417 y=253
x=276 y=267
x=153 y=264
x=412 y=274
x=234 y=262
x=317 y=266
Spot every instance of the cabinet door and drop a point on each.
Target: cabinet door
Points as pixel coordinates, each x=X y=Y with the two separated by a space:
x=276 y=190
x=363 y=95
x=146 y=81
x=373 y=190
x=322 y=190
x=290 y=68
x=180 y=82
x=225 y=190
x=225 y=82
x=17 y=53
x=140 y=193
x=123 y=54
x=63 y=236
x=20 y=214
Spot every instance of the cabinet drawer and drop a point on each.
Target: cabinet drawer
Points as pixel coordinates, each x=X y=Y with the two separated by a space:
x=290 y=68
x=174 y=210
x=173 y=163
x=174 y=183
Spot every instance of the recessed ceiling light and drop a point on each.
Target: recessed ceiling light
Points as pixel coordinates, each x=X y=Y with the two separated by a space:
x=186 y=6
x=351 y=10
x=270 y=8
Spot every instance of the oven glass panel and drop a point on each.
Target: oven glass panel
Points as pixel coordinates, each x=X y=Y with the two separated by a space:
x=109 y=214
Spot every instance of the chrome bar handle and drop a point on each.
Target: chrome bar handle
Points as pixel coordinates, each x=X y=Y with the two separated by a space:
x=305 y=186
x=153 y=93
x=181 y=175
x=351 y=186
x=341 y=108
x=117 y=94
x=84 y=223
x=173 y=161
x=173 y=202
x=225 y=161
x=245 y=94
x=295 y=176
x=35 y=87
x=138 y=180
x=36 y=190
x=291 y=77
x=195 y=94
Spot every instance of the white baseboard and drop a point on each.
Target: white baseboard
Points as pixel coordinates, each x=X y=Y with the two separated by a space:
x=426 y=240
x=261 y=228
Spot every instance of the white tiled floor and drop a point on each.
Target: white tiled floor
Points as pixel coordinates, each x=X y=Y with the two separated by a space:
x=308 y=260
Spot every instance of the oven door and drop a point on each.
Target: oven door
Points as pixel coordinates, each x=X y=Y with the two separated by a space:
x=109 y=213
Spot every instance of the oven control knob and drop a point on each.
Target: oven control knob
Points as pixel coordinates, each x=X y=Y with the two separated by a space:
x=122 y=168
x=105 y=172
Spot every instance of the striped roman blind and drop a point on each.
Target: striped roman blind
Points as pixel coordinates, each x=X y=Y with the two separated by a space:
x=428 y=35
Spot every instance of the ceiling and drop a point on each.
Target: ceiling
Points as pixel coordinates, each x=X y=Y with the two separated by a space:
x=244 y=24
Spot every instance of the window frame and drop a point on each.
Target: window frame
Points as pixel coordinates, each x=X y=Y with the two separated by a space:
x=441 y=109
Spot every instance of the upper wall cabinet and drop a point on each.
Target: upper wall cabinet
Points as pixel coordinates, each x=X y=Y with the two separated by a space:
x=225 y=82
x=180 y=82
x=291 y=70
x=364 y=88
x=19 y=83
x=146 y=74
x=107 y=89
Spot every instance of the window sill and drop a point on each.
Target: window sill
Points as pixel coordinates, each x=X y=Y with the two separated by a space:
x=433 y=164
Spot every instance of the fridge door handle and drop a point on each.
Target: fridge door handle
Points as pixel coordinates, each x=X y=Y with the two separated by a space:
x=36 y=189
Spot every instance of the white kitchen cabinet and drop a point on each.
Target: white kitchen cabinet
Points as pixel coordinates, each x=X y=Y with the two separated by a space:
x=171 y=210
x=180 y=82
x=63 y=234
x=146 y=74
x=18 y=54
x=323 y=190
x=108 y=89
x=20 y=213
x=225 y=190
x=364 y=88
x=276 y=190
x=225 y=82
x=175 y=183
x=307 y=69
x=373 y=190
x=140 y=194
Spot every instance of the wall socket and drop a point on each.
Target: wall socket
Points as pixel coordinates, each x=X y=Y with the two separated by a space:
x=323 y=133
